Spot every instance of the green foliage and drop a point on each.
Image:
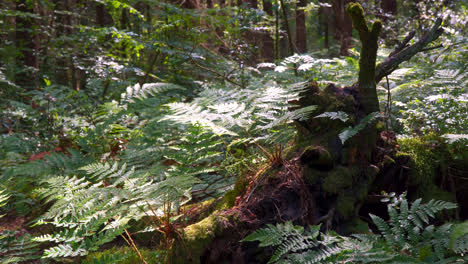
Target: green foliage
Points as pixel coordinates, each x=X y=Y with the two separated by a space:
x=342 y=116
x=91 y=211
x=408 y=237
x=365 y=122
x=287 y=239
x=16 y=247
x=3 y=199
x=122 y=256
x=156 y=106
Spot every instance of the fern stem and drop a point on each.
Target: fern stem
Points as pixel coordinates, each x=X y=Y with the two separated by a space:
x=134 y=247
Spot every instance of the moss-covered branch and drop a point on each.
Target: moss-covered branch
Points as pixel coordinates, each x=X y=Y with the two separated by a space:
x=367 y=86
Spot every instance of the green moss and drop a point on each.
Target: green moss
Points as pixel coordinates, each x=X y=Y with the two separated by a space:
x=423 y=159
x=338 y=179
x=123 y=255
x=357 y=14
x=371 y=172
x=311 y=175
x=345 y=205
x=356 y=226
x=317 y=156
x=362 y=192
x=229 y=198
x=197 y=237
x=380 y=126
x=432 y=191
x=376 y=28
x=425 y=154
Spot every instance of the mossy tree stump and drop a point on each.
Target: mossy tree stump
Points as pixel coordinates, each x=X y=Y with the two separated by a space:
x=324 y=180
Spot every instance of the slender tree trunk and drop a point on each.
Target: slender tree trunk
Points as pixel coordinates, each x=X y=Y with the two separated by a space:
x=368 y=100
x=389 y=6
x=369 y=36
x=103 y=18
x=343 y=26
x=252 y=3
x=301 y=32
x=324 y=14
x=268 y=50
x=25 y=42
x=277 y=36
x=292 y=47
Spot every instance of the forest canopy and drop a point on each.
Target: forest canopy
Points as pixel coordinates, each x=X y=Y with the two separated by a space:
x=243 y=131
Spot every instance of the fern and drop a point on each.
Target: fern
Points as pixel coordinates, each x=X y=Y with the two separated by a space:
x=93 y=210
x=4 y=196
x=409 y=229
x=17 y=248
x=342 y=116
x=406 y=238
x=459 y=238
x=352 y=131
x=294 y=244
x=159 y=91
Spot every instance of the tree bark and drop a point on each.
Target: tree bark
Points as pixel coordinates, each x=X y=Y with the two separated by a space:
x=389 y=6
x=292 y=47
x=301 y=32
x=343 y=26
x=25 y=42
x=323 y=21
x=366 y=82
x=103 y=18
x=268 y=50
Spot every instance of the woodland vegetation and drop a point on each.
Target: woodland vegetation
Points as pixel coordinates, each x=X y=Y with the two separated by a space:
x=241 y=131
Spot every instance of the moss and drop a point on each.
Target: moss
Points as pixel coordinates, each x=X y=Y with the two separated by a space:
x=356 y=226
x=376 y=28
x=123 y=255
x=362 y=192
x=380 y=126
x=345 y=205
x=402 y=157
x=197 y=237
x=311 y=175
x=371 y=172
x=338 y=179
x=357 y=14
x=387 y=160
x=425 y=155
x=432 y=191
x=229 y=198
x=317 y=157
x=423 y=159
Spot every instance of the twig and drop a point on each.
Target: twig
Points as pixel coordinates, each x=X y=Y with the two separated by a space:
x=403 y=45
x=216 y=73
x=432 y=48
x=135 y=247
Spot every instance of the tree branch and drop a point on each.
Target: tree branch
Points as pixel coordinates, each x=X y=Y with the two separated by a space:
x=216 y=73
x=405 y=54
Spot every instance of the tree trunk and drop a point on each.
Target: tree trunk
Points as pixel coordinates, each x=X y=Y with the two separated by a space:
x=389 y=6
x=301 y=32
x=324 y=14
x=103 y=18
x=25 y=42
x=343 y=26
x=268 y=49
x=367 y=87
x=292 y=47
